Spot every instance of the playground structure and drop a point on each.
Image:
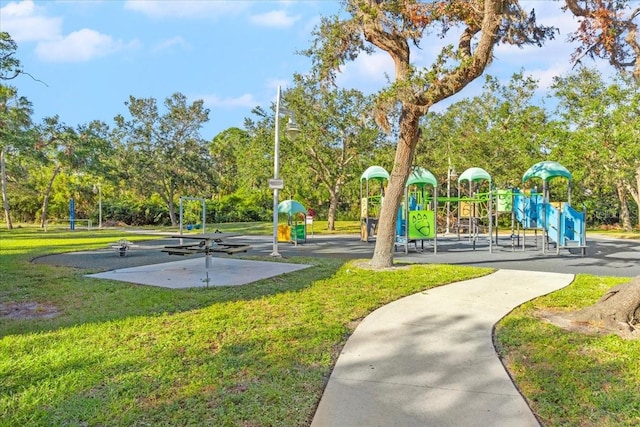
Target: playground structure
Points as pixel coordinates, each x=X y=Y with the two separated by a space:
x=372 y=182
x=295 y=230
x=417 y=215
x=559 y=222
x=477 y=210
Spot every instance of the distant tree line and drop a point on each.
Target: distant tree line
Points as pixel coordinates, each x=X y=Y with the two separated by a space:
x=152 y=154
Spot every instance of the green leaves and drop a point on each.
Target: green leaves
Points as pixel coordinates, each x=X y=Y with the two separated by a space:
x=164 y=153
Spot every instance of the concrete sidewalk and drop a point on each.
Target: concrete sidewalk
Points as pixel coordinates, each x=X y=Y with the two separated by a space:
x=428 y=359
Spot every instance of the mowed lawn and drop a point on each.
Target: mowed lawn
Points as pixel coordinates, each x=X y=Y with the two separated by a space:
x=97 y=352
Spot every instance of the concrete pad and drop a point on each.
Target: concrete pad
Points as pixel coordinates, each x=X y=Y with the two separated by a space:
x=428 y=359
x=191 y=273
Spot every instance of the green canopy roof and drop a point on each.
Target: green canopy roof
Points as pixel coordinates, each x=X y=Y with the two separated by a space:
x=474 y=175
x=374 y=172
x=291 y=207
x=546 y=170
x=420 y=177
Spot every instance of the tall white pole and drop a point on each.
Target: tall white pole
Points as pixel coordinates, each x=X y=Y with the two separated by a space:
x=97 y=189
x=276 y=173
x=99 y=206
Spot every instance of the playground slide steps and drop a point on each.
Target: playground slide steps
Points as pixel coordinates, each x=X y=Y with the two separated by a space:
x=563 y=225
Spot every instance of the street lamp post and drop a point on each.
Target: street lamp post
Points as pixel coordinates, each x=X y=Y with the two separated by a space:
x=97 y=188
x=292 y=131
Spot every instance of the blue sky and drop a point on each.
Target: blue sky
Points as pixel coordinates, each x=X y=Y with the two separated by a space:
x=91 y=54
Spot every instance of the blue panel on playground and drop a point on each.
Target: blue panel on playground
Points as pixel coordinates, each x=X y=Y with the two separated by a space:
x=552 y=219
x=573 y=223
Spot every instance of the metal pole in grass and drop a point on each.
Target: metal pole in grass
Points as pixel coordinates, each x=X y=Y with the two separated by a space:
x=276 y=183
x=97 y=189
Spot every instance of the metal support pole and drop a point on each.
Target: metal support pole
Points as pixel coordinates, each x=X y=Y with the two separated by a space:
x=276 y=173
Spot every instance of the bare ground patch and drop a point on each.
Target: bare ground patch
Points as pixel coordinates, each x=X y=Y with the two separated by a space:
x=28 y=310
x=561 y=320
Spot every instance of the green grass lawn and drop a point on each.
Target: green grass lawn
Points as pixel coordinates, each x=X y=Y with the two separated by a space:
x=123 y=354
x=256 y=355
x=572 y=379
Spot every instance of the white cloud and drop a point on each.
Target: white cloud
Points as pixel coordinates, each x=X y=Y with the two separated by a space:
x=545 y=76
x=186 y=8
x=78 y=46
x=276 y=18
x=274 y=83
x=169 y=44
x=25 y=22
x=212 y=100
x=367 y=73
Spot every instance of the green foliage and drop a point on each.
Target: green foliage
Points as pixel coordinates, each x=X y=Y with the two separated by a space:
x=501 y=130
x=163 y=153
x=243 y=206
x=137 y=212
x=10 y=66
x=601 y=127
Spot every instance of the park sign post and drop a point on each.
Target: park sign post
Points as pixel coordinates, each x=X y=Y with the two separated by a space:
x=276 y=184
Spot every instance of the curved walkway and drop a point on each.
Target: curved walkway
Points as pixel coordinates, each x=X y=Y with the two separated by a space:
x=428 y=359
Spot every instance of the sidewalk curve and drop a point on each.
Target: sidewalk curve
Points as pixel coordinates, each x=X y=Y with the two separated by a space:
x=428 y=359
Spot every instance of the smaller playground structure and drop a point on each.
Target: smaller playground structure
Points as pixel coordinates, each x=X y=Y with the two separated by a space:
x=417 y=214
x=295 y=229
x=559 y=222
x=475 y=212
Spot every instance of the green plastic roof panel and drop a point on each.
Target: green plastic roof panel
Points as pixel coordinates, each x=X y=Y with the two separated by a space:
x=374 y=172
x=474 y=175
x=546 y=170
x=291 y=207
x=421 y=177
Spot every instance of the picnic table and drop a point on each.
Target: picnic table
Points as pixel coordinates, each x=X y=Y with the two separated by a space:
x=207 y=243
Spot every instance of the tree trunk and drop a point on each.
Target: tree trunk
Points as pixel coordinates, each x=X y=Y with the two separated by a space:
x=625 y=216
x=45 y=201
x=407 y=141
x=5 y=197
x=617 y=311
x=333 y=207
x=172 y=211
x=635 y=192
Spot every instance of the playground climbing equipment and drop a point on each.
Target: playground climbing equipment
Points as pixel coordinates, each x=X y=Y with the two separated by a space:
x=372 y=184
x=477 y=211
x=417 y=215
x=560 y=224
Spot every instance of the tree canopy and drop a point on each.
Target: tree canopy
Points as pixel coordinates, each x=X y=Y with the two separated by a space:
x=394 y=26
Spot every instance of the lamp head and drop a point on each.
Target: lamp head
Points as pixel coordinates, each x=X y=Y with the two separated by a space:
x=292 y=130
